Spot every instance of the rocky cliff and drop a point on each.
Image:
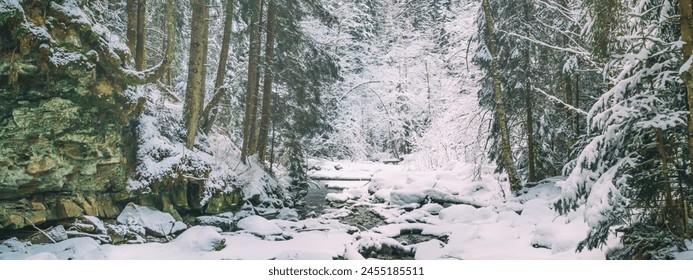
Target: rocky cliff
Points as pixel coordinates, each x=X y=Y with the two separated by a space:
x=67 y=130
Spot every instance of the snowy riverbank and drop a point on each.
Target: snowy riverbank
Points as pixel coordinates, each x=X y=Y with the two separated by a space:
x=459 y=212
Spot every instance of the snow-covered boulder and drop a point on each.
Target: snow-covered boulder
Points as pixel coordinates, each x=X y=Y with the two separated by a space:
x=337 y=197
x=287 y=214
x=537 y=211
x=259 y=225
x=404 y=197
x=153 y=221
x=200 y=239
x=458 y=214
x=224 y=223
x=432 y=208
x=90 y=224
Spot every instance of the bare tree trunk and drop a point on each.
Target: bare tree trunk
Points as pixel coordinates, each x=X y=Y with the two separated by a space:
x=263 y=136
x=195 y=90
x=531 y=155
x=669 y=208
x=686 y=9
x=131 y=32
x=140 y=55
x=569 y=113
x=252 y=141
x=576 y=117
x=500 y=101
x=220 y=93
x=250 y=122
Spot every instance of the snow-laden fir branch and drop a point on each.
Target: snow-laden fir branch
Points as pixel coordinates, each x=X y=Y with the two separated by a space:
x=585 y=54
x=557 y=100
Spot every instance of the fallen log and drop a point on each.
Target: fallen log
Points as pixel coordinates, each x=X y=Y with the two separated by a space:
x=328 y=178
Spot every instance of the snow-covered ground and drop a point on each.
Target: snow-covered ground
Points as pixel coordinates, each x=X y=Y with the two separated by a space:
x=461 y=211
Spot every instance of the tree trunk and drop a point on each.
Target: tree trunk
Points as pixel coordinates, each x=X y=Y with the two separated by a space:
x=569 y=113
x=195 y=90
x=210 y=112
x=140 y=56
x=250 y=122
x=131 y=32
x=669 y=208
x=508 y=163
x=263 y=136
x=531 y=155
x=576 y=117
x=686 y=9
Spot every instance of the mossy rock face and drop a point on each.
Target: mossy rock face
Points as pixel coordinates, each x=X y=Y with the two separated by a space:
x=221 y=202
x=64 y=143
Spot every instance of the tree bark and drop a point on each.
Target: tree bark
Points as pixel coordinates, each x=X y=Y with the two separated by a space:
x=686 y=9
x=508 y=163
x=576 y=117
x=140 y=52
x=131 y=32
x=569 y=113
x=250 y=122
x=195 y=90
x=263 y=135
x=210 y=111
x=669 y=208
x=531 y=155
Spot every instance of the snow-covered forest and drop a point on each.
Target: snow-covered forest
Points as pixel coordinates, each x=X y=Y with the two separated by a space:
x=346 y=129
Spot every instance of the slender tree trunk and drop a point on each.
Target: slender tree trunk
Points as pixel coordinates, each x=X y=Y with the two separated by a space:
x=254 y=126
x=263 y=136
x=250 y=122
x=686 y=9
x=531 y=154
x=195 y=90
x=669 y=208
x=131 y=32
x=210 y=112
x=576 y=117
x=500 y=101
x=140 y=52
x=569 y=113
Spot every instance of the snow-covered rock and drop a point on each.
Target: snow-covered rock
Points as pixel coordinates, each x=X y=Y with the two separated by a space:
x=432 y=208
x=200 y=238
x=404 y=197
x=259 y=225
x=224 y=223
x=154 y=222
x=537 y=211
x=428 y=250
x=458 y=214
x=287 y=214
x=337 y=197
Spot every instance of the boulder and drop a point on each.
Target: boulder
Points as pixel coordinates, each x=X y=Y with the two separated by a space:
x=287 y=214
x=200 y=239
x=224 y=223
x=154 y=222
x=259 y=226
x=89 y=224
x=51 y=235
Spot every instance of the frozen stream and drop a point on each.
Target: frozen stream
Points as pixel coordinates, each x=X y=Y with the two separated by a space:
x=400 y=214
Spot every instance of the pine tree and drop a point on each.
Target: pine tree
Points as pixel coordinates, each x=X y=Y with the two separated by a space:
x=633 y=153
